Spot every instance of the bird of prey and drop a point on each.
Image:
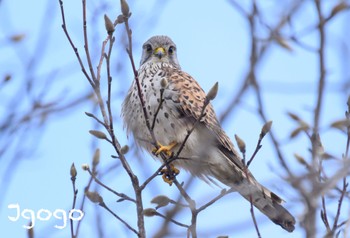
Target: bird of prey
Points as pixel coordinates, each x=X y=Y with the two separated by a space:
x=170 y=106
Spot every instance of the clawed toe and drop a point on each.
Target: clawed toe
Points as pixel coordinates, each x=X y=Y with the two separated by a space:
x=168 y=174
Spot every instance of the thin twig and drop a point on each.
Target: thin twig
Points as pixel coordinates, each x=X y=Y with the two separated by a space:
x=322 y=66
x=107 y=117
x=310 y=225
x=192 y=205
x=257 y=148
x=189 y=132
x=138 y=85
x=102 y=57
x=75 y=192
x=102 y=204
x=75 y=49
x=172 y=220
x=109 y=77
x=223 y=193
x=121 y=195
x=345 y=183
x=135 y=182
x=82 y=206
x=161 y=100
x=86 y=44
x=253 y=216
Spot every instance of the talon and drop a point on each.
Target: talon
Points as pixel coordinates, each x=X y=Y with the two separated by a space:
x=164 y=148
x=167 y=180
x=168 y=176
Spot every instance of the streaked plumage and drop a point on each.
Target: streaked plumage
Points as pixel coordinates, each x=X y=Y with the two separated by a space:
x=209 y=152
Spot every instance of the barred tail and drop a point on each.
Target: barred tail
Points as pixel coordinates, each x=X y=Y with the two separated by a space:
x=268 y=203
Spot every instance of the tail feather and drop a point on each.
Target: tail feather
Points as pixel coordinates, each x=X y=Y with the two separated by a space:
x=234 y=174
x=268 y=203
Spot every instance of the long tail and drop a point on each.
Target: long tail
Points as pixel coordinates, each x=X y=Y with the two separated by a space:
x=267 y=202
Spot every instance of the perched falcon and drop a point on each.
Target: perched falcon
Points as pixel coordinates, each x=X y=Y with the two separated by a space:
x=173 y=102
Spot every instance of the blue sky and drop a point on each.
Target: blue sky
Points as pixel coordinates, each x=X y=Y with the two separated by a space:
x=213 y=45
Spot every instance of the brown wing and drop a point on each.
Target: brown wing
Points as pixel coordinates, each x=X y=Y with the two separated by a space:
x=191 y=102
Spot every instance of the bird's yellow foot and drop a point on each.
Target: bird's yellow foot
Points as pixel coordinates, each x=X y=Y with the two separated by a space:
x=164 y=148
x=168 y=175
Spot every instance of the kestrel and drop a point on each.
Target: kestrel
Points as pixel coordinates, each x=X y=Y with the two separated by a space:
x=173 y=102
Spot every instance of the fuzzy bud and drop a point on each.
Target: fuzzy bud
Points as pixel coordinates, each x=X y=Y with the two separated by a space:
x=124 y=149
x=149 y=212
x=341 y=6
x=161 y=201
x=340 y=124
x=98 y=134
x=89 y=114
x=317 y=144
x=125 y=8
x=120 y=19
x=213 y=92
x=96 y=158
x=108 y=25
x=265 y=129
x=283 y=43
x=294 y=116
x=7 y=77
x=18 y=37
x=241 y=144
x=85 y=167
x=299 y=129
x=300 y=159
x=94 y=197
x=73 y=171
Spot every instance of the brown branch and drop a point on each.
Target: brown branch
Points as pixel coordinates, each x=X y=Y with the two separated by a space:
x=189 y=132
x=340 y=202
x=310 y=217
x=192 y=205
x=102 y=57
x=121 y=195
x=107 y=117
x=322 y=66
x=82 y=206
x=257 y=148
x=172 y=220
x=138 y=85
x=223 y=193
x=345 y=183
x=109 y=79
x=102 y=204
x=75 y=49
x=161 y=100
x=135 y=182
x=86 y=44
x=75 y=192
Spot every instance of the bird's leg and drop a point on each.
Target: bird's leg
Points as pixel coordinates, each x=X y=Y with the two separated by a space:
x=168 y=174
x=164 y=148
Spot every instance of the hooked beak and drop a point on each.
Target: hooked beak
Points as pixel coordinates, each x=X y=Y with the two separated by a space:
x=159 y=52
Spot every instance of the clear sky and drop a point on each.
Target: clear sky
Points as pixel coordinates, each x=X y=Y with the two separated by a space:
x=213 y=45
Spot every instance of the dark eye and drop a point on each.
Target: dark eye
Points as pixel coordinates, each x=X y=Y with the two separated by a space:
x=171 y=50
x=148 y=48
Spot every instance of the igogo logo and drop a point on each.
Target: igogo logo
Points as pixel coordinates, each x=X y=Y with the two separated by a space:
x=45 y=215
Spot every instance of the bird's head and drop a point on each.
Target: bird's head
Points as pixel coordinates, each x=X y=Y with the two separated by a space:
x=159 y=49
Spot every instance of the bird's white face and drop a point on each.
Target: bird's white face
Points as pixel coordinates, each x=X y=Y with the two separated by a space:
x=159 y=49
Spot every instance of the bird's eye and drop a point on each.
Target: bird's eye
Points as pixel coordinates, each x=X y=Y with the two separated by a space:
x=148 y=48
x=171 y=50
